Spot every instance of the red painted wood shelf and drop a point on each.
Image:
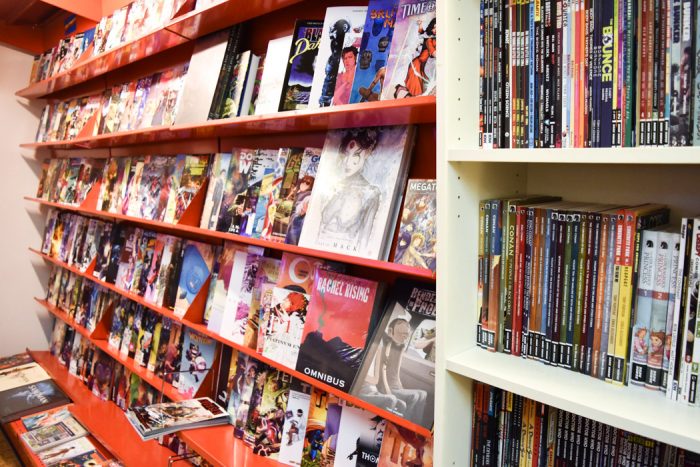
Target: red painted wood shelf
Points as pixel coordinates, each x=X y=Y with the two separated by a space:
x=157 y=383
x=204 y=330
x=208 y=443
x=179 y=30
x=104 y=420
x=414 y=110
x=206 y=234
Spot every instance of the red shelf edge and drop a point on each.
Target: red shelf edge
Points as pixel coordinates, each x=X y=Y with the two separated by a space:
x=254 y=123
x=401 y=269
x=204 y=330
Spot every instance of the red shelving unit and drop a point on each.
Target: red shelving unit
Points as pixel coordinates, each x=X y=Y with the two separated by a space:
x=179 y=30
x=232 y=452
x=209 y=235
x=104 y=420
x=203 y=329
x=416 y=110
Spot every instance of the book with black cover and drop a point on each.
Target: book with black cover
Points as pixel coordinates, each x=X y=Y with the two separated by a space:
x=35 y=397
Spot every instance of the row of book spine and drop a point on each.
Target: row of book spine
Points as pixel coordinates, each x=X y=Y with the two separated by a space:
x=508 y=429
x=588 y=73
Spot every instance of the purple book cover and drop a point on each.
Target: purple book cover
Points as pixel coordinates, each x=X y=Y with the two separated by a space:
x=300 y=66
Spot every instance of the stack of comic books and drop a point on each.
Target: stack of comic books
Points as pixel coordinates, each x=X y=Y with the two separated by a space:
x=599 y=74
x=153 y=421
x=508 y=429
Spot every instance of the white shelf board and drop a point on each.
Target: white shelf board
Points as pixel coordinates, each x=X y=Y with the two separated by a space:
x=640 y=155
x=635 y=409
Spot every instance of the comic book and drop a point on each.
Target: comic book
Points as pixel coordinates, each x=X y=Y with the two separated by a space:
x=127 y=258
x=283 y=331
x=197 y=262
x=267 y=196
x=415 y=245
x=272 y=78
x=278 y=220
x=29 y=373
x=169 y=274
x=254 y=418
x=149 y=276
x=374 y=51
x=239 y=399
x=264 y=163
x=338 y=323
x=411 y=69
x=48 y=436
x=401 y=446
x=296 y=418
x=272 y=409
x=131 y=184
x=233 y=200
x=198 y=353
x=45 y=418
x=359 y=438
x=145 y=337
x=155 y=175
x=297 y=201
x=193 y=177
x=144 y=257
x=298 y=77
x=173 y=352
x=100 y=380
x=266 y=275
x=62 y=452
x=161 y=339
x=396 y=369
x=57 y=336
x=157 y=420
x=356 y=199
x=342 y=27
x=119 y=319
x=218 y=171
x=226 y=375
x=240 y=90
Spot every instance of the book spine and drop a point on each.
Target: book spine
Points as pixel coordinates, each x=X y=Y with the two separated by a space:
x=478 y=391
x=535 y=321
x=532 y=83
x=684 y=123
x=488 y=72
x=579 y=323
x=482 y=78
x=548 y=228
x=558 y=290
x=527 y=280
x=481 y=275
x=574 y=221
x=507 y=275
x=506 y=98
x=225 y=73
x=557 y=76
x=492 y=341
x=587 y=312
x=691 y=352
x=486 y=275
x=600 y=296
x=629 y=92
x=696 y=82
x=668 y=332
x=496 y=75
x=614 y=295
x=518 y=282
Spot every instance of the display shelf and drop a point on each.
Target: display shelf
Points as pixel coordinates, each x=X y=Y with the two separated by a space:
x=104 y=420
x=252 y=352
x=206 y=234
x=634 y=409
x=640 y=155
x=179 y=30
x=168 y=390
x=415 y=110
x=207 y=443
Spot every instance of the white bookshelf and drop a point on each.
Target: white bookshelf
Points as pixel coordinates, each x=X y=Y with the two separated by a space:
x=467 y=174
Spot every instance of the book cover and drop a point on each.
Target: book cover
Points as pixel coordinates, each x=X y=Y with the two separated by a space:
x=240 y=91
x=296 y=418
x=349 y=58
x=265 y=162
x=45 y=418
x=278 y=220
x=48 y=436
x=22 y=375
x=161 y=341
x=149 y=276
x=197 y=262
x=417 y=238
x=374 y=51
x=31 y=398
x=57 y=336
x=396 y=368
x=230 y=214
x=254 y=417
x=173 y=352
x=127 y=259
x=265 y=278
x=226 y=375
x=272 y=409
x=338 y=324
x=401 y=447
x=144 y=258
x=239 y=400
x=219 y=170
x=131 y=331
x=58 y=454
x=341 y=27
x=87 y=458
x=299 y=74
x=15 y=360
x=360 y=438
x=240 y=295
x=273 y=75
x=157 y=419
x=267 y=196
x=313 y=449
x=300 y=197
x=284 y=330
x=193 y=177
x=356 y=197
x=119 y=320
x=411 y=67
x=154 y=184
x=100 y=378
x=645 y=288
x=197 y=359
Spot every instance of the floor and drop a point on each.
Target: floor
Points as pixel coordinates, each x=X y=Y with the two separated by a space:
x=7 y=455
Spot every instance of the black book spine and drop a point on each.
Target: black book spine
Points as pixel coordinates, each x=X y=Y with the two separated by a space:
x=223 y=83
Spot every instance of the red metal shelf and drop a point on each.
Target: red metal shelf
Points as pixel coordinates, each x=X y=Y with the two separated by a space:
x=181 y=29
x=414 y=110
x=104 y=420
x=157 y=383
x=204 y=330
x=205 y=234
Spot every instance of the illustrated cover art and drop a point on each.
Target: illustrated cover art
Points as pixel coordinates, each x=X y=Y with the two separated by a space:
x=337 y=327
x=173 y=186
x=128 y=258
x=131 y=331
x=341 y=27
x=193 y=177
x=57 y=336
x=226 y=375
x=198 y=353
x=156 y=174
x=273 y=76
x=145 y=337
x=240 y=89
x=100 y=379
x=254 y=417
x=403 y=447
x=197 y=262
x=313 y=440
x=300 y=196
x=400 y=359
x=46 y=418
x=84 y=459
x=349 y=56
x=359 y=438
x=240 y=295
x=117 y=185
x=278 y=221
x=60 y=432
x=66 y=349
x=218 y=172
x=299 y=75
x=31 y=398
x=119 y=320
x=235 y=188
x=239 y=399
x=265 y=278
x=15 y=360
x=411 y=67
x=374 y=51
x=356 y=196
x=51 y=221
x=267 y=196
x=161 y=340
x=415 y=245
x=144 y=257
x=149 y=276
x=76 y=357
x=129 y=204
x=272 y=409
x=171 y=362
x=167 y=268
x=264 y=314
x=286 y=325
x=26 y=374
x=296 y=417
x=65 y=451
x=264 y=163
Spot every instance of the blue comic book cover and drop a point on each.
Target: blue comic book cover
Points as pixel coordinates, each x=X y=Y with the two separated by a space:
x=198 y=353
x=374 y=51
x=296 y=87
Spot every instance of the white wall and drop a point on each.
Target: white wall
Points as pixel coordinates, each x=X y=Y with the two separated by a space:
x=23 y=323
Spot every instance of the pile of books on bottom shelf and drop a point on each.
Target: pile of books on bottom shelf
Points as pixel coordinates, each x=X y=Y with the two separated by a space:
x=508 y=429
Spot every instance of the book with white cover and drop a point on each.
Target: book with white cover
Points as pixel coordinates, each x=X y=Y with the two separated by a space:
x=273 y=75
x=15 y=377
